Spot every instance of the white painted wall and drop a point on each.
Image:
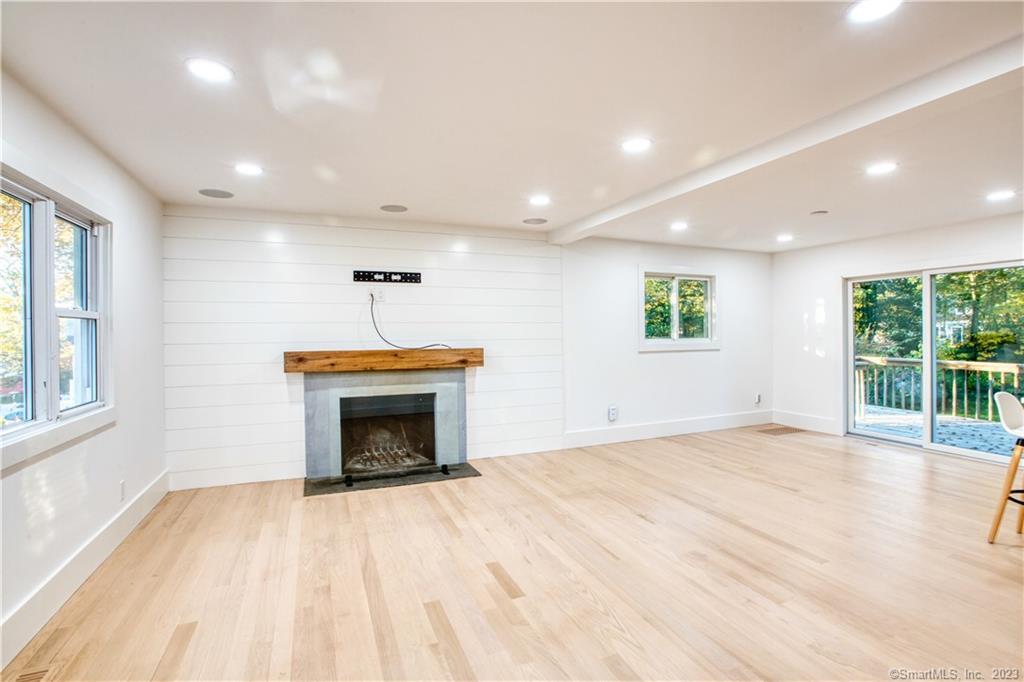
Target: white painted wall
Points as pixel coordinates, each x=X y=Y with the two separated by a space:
x=661 y=393
x=62 y=515
x=808 y=328
x=240 y=288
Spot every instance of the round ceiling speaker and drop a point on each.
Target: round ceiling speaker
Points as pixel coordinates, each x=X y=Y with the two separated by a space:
x=216 y=193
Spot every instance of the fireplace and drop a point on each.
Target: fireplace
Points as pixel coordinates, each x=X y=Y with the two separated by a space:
x=387 y=435
x=384 y=428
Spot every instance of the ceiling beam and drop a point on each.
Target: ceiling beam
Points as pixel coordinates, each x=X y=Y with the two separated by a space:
x=995 y=61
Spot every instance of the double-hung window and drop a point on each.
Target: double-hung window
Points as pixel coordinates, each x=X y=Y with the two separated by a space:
x=678 y=311
x=52 y=313
x=76 y=312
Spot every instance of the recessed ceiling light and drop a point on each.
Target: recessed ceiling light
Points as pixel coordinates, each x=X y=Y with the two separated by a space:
x=635 y=145
x=783 y=238
x=679 y=226
x=216 y=193
x=394 y=208
x=540 y=200
x=209 y=70
x=1001 y=195
x=867 y=11
x=248 y=169
x=881 y=168
x=535 y=221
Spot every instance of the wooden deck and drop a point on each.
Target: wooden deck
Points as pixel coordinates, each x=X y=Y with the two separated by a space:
x=962 y=432
x=733 y=554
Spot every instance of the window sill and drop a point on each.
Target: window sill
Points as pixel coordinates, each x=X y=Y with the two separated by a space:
x=36 y=440
x=679 y=346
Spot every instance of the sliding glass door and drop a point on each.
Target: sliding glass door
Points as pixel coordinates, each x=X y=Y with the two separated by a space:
x=887 y=357
x=928 y=351
x=978 y=343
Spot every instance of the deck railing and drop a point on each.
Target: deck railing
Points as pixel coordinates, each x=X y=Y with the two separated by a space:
x=963 y=388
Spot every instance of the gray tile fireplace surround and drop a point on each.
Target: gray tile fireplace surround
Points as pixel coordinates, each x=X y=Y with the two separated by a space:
x=323 y=393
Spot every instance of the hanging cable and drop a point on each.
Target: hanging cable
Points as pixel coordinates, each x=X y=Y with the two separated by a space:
x=373 y=318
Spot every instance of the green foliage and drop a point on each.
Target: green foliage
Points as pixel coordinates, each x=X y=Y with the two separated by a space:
x=989 y=305
x=984 y=307
x=887 y=317
x=693 y=294
x=988 y=346
x=658 y=308
x=692 y=303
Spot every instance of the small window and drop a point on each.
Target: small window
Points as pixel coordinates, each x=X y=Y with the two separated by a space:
x=678 y=311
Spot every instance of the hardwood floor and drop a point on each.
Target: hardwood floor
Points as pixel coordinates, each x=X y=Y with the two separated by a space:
x=732 y=554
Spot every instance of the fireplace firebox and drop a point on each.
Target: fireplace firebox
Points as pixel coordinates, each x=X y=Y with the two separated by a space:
x=387 y=435
x=377 y=429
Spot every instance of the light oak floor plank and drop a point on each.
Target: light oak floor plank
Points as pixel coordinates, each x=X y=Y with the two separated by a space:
x=723 y=555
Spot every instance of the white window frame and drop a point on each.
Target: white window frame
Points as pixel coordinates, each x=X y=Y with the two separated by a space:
x=50 y=427
x=90 y=312
x=711 y=342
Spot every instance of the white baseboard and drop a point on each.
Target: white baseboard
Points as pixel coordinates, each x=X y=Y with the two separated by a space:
x=808 y=422
x=29 y=617
x=243 y=473
x=675 y=427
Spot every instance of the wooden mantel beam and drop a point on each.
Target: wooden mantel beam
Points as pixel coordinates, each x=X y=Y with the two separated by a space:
x=381 y=360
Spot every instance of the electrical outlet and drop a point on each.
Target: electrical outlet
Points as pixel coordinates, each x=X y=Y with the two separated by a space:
x=377 y=293
x=613 y=412
x=122 y=491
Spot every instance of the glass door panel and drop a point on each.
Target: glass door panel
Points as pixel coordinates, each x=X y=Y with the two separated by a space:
x=887 y=357
x=978 y=338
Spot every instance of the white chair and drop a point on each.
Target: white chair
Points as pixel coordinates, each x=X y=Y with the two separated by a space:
x=1011 y=414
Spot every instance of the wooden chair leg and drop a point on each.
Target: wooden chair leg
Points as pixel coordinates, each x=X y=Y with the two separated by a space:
x=1020 y=512
x=1011 y=474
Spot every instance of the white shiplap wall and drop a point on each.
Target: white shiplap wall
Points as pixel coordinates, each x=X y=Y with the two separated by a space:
x=240 y=288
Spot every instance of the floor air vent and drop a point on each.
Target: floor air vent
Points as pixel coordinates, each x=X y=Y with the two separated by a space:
x=780 y=430
x=32 y=675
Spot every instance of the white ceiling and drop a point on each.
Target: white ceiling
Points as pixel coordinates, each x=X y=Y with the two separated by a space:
x=460 y=111
x=951 y=154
